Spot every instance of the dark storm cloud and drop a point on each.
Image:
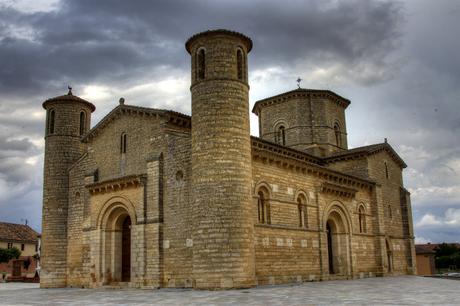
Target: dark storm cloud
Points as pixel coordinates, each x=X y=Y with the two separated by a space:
x=126 y=41
x=397 y=62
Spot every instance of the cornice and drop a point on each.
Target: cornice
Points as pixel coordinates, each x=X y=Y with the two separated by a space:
x=117 y=183
x=304 y=163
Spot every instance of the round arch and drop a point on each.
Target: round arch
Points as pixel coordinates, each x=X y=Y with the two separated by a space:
x=263 y=184
x=113 y=204
x=337 y=229
x=340 y=210
x=301 y=192
x=115 y=221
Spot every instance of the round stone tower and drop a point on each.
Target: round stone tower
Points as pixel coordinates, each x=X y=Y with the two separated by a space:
x=223 y=242
x=67 y=120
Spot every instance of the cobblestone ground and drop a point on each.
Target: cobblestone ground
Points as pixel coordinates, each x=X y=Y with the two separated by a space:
x=404 y=290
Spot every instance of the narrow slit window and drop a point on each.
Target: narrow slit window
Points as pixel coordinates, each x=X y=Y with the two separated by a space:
x=123 y=143
x=239 y=63
x=82 y=123
x=362 y=220
x=386 y=171
x=51 y=122
x=201 y=64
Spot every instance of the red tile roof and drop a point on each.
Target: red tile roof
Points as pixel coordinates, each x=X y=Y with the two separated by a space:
x=17 y=232
x=429 y=248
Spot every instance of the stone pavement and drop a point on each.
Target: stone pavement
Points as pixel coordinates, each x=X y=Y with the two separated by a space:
x=403 y=290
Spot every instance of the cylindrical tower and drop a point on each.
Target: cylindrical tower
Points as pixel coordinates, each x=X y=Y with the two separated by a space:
x=67 y=120
x=223 y=238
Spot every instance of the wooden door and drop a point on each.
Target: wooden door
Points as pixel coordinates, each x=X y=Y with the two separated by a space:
x=17 y=264
x=126 y=251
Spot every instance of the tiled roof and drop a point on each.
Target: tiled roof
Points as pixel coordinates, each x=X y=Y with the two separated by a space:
x=367 y=150
x=424 y=249
x=218 y=31
x=17 y=232
x=429 y=248
x=285 y=96
x=173 y=116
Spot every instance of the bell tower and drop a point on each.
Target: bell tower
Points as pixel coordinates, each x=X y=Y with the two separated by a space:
x=223 y=242
x=68 y=118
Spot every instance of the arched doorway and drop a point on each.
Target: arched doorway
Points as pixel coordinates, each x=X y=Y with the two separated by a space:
x=116 y=251
x=338 y=248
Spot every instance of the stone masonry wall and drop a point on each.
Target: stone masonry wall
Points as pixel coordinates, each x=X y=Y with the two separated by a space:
x=308 y=121
x=285 y=252
x=223 y=245
x=62 y=149
x=400 y=242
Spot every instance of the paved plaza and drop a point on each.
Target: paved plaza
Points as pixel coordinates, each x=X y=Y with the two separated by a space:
x=404 y=290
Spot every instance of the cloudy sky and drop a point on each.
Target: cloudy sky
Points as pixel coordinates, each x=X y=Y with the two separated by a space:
x=397 y=61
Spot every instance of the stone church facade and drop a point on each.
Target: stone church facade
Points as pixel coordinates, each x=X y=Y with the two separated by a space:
x=153 y=198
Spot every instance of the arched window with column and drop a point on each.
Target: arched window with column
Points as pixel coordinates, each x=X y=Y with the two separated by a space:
x=338 y=136
x=263 y=207
x=302 y=210
x=280 y=135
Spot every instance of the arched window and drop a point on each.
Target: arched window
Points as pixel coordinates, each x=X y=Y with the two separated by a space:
x=123 y=143
x=239 y=64
x=263 y=209
x=362 y=220
x=302 y=209
x=338 y=137
x=51 y=122
x=201 y=64
x=82 y=122
x=390 y=213
x=386 y=170
x=280 y=135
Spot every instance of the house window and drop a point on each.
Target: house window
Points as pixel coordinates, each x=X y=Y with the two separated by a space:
x=239 y=64
x=10 y=245
x=51 y=122
x=123 y=143
x=22 y=246
x=390 y=213
x=201 y=64
x=302 y=210
x=263 y=208
x=82 y=122
x=338 y=139
x=280 y=135
x=36 y=248
x=386 y=170
x=362 y=220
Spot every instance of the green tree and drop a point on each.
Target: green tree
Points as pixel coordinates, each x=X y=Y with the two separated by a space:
x=7 y=254
x=446 y=249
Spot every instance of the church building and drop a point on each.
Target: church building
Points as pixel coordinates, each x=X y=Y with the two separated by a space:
x=152 y=198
